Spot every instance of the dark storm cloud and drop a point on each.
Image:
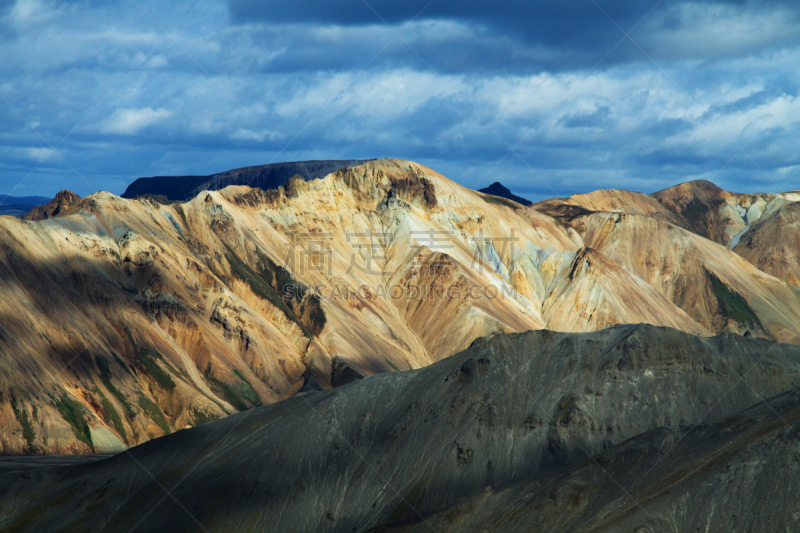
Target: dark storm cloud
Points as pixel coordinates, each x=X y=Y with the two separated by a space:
x=572 y=17
x=574 y=32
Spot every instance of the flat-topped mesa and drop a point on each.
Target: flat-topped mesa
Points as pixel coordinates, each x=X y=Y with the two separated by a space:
x=270 y=176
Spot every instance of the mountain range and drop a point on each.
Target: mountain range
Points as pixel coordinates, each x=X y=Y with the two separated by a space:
x=16 y=206
x=129 y=319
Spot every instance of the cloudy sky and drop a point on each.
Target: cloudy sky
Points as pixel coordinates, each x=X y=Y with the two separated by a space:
x=550 y=98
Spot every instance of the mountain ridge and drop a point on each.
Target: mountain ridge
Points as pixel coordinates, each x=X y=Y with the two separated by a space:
x=141 y=318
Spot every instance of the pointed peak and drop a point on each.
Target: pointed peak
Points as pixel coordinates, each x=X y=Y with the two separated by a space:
x=62 y=202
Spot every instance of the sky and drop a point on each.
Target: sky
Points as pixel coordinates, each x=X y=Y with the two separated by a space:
x=549 y=98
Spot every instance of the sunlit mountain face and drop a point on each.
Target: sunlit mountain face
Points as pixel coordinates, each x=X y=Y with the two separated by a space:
x=128 y=319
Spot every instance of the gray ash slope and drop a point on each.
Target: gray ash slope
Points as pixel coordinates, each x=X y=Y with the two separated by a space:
x=506 y=435
x=740 y=474
x=272 y=176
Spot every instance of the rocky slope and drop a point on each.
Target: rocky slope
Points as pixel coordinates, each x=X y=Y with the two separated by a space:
x=629 y=427
x=124 y=320
x=272 y=176
x=663 y=480
x=712 y=284
x=698 y=206
x=64 y=203
x=772 y=244
x=719 y=215
x=612 y=201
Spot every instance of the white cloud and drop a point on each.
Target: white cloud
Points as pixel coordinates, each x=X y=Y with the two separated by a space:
x=28 y=12
x=706 y=30
x=245 y=134
x=131 y=121
x=37 y=154
x=154 y=62
x=781 y=112
x=383 y=96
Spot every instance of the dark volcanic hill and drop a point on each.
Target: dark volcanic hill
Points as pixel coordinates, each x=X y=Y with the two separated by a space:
x=632 y=428
x=498 y=189
x=261 y=177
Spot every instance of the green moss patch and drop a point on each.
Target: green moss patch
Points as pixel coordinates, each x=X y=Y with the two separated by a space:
x=111 y=415
x=394 y=366
x=149 y=361
x=226 y=391
x=275 y=284
x=22 y=417
x=247 y=390
x=733 y=304
x=237 y=394
x=201 y=417
x=105 y=377
x=73 y=413
x=154 y=412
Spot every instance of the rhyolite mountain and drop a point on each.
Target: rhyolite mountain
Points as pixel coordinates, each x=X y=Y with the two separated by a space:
x=272 y=176
x=674 y=240
x=632 y=428
x=127 y=319
x=501 y=191
x=720 y=215
x=772 y=243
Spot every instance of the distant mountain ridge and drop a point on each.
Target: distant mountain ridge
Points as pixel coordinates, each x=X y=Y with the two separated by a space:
x=19 y=200
x=16 y=206
x=272 y=176
x=498 y=189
